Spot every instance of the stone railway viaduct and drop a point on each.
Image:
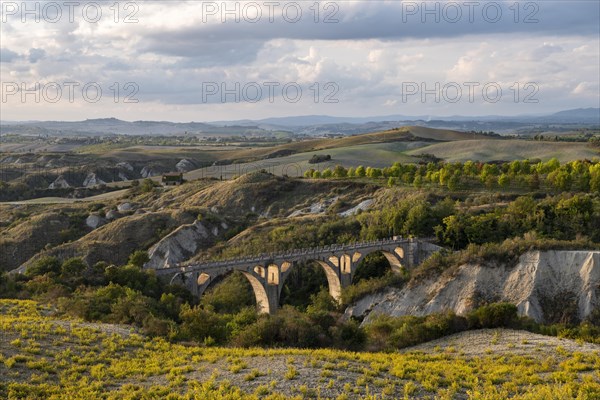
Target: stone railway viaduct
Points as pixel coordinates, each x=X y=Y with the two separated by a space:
x=268 y=272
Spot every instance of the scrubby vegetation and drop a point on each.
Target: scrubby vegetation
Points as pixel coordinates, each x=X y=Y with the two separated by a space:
x=457 y=222
x=388 y=333
x=44 y=357
x=226 y=314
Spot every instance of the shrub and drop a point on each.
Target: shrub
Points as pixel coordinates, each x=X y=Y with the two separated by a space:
x=348 y=335
x=494 y=315
x=198 y=324
x=138 y=258
x=135 y=278
x=388 y=333
x=43 y=266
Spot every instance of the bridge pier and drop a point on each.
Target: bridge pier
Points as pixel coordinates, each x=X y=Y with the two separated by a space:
x=273 y=293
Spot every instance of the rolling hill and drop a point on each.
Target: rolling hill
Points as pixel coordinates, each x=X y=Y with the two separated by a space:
x=508 y=150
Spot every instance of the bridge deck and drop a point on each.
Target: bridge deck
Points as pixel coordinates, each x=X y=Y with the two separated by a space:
x=261 y=258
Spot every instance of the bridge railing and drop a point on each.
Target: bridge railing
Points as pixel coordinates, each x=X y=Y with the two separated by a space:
x=285 y=254
x=312 y=251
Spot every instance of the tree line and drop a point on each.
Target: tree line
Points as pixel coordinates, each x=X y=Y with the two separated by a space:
x=580 y=175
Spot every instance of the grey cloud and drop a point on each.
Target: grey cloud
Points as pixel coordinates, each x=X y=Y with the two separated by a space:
x=117 y=65
x=7 y=55
x=392 y=21
x=202 y=52
x=36 y=54
x=546 y=50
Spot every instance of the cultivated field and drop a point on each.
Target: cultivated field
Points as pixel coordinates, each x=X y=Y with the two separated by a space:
x=508 y=150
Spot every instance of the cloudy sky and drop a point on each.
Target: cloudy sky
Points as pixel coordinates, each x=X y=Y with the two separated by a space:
x=205 y=61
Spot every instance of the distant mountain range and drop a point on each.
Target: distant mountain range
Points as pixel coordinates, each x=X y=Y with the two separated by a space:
x=578 y=115
x=311 y=124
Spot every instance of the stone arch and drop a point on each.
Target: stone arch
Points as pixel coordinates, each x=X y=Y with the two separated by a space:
x=178 y=278
x=334 y=285
x=260 y=293
x=335 y=261
x=399 y=251
x=333 y=280
x=285 y=266
x=394 y=261
x=260 y=271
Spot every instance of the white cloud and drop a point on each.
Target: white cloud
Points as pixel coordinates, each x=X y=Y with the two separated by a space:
x=369 y=55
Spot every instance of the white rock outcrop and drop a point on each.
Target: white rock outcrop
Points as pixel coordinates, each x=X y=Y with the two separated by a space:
x=92 y=180
x=315 y=208
x=112 y=214
x=184 y=166
x=540 y=278
x=59 y=183
x=178 y=246
x=125 y=165
x=362 y=206
x=94 y=221
x=148 y=172
x=125 y=207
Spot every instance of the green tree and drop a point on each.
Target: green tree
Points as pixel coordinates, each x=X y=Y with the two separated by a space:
x=503 y=181
x=418 y=181
x=147 y=185
x=45 y=265
x=72 y=271
x=339 y=172
x=454 y=182
x=138 y=258
x=202 y=325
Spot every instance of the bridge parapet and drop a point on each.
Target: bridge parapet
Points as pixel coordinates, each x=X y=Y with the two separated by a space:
x=296 y=252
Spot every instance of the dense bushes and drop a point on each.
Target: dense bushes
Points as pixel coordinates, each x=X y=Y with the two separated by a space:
x=388 y=333
x=291 y=328
x=493 y=316
x=457 y=223
x=132 y=296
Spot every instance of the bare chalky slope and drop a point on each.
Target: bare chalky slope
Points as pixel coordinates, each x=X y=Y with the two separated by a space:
x=547 y=286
